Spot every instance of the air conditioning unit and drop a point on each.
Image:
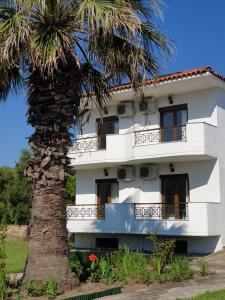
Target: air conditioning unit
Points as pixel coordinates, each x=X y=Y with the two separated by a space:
x=126 y=173
x=125 y=109
x=148 y=172
x=148 y=106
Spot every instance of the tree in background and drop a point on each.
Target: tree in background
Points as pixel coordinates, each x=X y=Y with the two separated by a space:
x=16 y=192
x=71 y=189
x=66 y=48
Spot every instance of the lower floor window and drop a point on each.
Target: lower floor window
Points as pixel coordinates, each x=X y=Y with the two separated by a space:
x=175 y=194
x=107 y=243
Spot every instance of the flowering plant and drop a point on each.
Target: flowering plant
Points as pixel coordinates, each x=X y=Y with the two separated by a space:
x=92 y=257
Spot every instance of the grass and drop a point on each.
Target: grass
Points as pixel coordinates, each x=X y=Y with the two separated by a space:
x=16 y=254
x=216 y=295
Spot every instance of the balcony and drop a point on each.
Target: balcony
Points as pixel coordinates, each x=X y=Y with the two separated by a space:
x=85 y=212
x=186 y=143
x=195 y=219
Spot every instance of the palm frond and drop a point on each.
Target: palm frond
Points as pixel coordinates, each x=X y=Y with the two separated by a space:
x=11 y=80
x=52 y=41
x=96 y=86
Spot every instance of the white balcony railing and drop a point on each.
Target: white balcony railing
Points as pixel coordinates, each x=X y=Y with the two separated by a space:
x=152 y=211
x=190 y=219
x=160 y=135
x=88 y=212
x=85 y=144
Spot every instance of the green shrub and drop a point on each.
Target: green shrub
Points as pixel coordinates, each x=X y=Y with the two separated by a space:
x=203 y=266
x=130 y=265
x=50 y=288
x=161 y=253
x=3 y=279
x=180 y=268
x=80 y=264
x=34 y=289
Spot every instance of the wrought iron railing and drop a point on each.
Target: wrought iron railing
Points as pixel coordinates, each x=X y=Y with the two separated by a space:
x=161 y=211
x=160 y=135
x=85 y=212
x=85 y=144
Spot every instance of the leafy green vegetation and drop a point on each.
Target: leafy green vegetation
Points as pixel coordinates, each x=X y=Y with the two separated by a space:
x=16 y=254
x=216 y=295
x=203 y=266
x=71 y=189
x=125 y=264
x=48 y=288
x=15 y=192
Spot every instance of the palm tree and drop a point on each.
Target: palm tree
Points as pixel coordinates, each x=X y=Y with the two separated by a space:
x=59 y=50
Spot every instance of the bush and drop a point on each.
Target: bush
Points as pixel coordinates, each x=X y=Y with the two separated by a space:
x=34 y=289
x=180 y=268
x=130 y=265
x=79 y=264
x=121 y=266
x=203 y=266
x=48 y=288
x=161 y=253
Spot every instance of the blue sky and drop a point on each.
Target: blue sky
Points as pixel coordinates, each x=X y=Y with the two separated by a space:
x=198 y=30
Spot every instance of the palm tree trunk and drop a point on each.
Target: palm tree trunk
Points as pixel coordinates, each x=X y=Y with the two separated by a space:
x=52 y=107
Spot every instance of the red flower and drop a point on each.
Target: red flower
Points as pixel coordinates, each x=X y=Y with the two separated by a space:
x=92 y=257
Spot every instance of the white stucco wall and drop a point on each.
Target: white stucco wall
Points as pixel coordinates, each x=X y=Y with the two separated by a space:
x=203 y=181
x=201 y=108
x=221 y=153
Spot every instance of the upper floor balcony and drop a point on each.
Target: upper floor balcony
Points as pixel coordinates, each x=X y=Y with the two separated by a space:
x=192 y=141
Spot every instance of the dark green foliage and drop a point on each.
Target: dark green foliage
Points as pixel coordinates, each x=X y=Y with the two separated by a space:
x=180 y=268
x=162 y=250
x=15 y=192
x=71 y=190
x=34 y=289
x=48 y=288
x=80 y=264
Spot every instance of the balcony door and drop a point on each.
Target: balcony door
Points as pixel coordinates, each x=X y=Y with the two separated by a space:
x=108 y=125
x=107 y=191
x=175 y=193
x=173 y=120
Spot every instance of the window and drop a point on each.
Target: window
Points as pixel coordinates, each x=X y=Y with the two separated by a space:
x=109 y=125
x=175 y=193
x=107 y=243
x=107 y=191
x=173 y=120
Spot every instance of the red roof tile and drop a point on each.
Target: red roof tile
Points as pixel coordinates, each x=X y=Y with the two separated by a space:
x=173 y=76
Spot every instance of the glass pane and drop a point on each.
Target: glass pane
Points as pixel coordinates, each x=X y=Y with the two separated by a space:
x=169 y=192
x=167 y=124
x=181 y=117
x=104 y=192
x=116 y=127
x=168 y=119
x=182 y=185
x=115 y=192
x=168 y=135
x=175 y=191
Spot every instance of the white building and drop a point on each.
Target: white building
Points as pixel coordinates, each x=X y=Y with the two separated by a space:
x=154 y=165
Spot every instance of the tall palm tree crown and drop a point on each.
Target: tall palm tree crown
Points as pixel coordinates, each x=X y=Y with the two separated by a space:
x=59 y=50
